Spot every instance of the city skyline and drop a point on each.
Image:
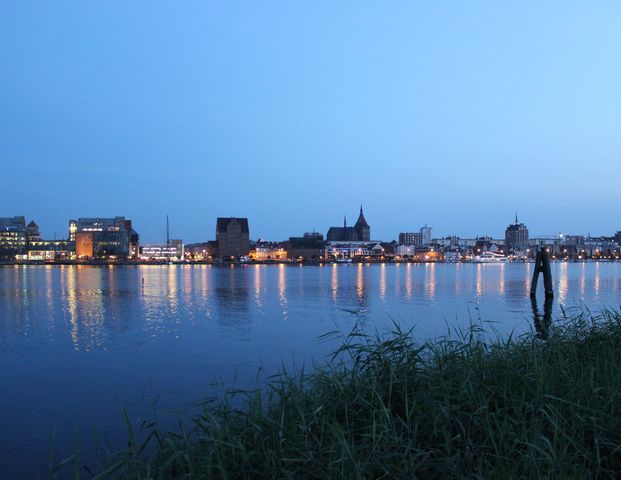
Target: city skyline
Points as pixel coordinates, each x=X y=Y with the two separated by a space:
x=114 y=239
x=255 y=237
x=292 y=114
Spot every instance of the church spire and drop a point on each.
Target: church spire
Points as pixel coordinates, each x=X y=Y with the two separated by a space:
x=362 y=228
x=344 y=221
x=516 y=219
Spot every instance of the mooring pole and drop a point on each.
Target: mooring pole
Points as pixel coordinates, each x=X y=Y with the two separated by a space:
x=542 y=265
x=547 y=274
x=533 y=284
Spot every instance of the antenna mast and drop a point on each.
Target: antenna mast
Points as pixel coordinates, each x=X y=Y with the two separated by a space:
x=167 y=232
x=167 y=241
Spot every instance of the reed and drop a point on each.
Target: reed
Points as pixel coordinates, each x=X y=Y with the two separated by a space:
x=389 y=406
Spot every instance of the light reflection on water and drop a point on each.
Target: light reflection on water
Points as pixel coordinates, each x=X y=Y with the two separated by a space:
x=75 y=341
x=282 y=289
x=382 y=282
x=101 y=305
x=335 y=282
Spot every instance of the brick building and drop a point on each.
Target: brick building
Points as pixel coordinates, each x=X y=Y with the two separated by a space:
x=232 y=237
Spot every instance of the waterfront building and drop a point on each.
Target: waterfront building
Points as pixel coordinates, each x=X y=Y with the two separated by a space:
x=383 y=250
x=454 y=241
x=19 y=241
x=340 y=250
x=211 y=250
x=105 y=238
x=360 y=232
x=575 y=246
x=575 y=240
x=405 y=250
x=33 y=234
x=200 y=252
x=359 y=250
x=73 y=229
x=422 y=237
x=47 y=250
x=572 y=247
x=411 y=238
x=452 y=256
x=487 y=244
x=426 y=233
x=516 y=238
x=178 y=245
x=159 y=251
x=232 y=237
x=428 y=254
x=600 y=247
x=454 y=248
x=269 y=251
x=419 y=253
x=13 y=237
x=173 y=250
x=308 y=247
x=553 y=244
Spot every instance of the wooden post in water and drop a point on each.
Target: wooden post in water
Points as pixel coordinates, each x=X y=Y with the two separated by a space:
x=542 y=265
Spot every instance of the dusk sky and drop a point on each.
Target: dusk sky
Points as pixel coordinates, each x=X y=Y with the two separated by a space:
x=455 y=114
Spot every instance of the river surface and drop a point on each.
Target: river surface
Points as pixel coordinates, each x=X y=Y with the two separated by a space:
x=77 y=343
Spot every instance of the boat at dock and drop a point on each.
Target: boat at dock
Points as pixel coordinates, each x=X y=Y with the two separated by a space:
x=489 y=257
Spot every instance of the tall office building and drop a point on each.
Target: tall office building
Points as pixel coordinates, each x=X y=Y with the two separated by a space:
x=13 y=237
x=411 y=238
x=516 y=237
x=422 y=237
x=425 y=233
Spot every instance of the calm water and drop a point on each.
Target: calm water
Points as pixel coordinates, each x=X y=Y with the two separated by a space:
x=76 y=343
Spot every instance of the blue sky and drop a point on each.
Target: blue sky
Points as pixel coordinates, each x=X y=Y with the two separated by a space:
x=455 y=114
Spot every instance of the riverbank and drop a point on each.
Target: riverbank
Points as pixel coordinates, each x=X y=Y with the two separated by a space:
x=391 y=407
x=108 y=263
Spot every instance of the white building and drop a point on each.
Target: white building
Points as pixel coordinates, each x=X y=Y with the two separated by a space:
x=349 y=249
x=161 y=251
x=405 y=250
x=452 y=256
x=425 y=233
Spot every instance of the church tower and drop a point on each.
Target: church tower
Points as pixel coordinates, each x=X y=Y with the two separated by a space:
x=362 y=228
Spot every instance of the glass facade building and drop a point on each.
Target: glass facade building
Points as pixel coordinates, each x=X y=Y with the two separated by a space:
x=102 y=238
x=13 y=237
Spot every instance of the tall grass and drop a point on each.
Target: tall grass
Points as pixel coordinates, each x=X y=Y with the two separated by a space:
x=388 y=406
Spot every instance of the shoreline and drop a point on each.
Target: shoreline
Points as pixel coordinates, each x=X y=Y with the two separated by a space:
x=126 y=263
